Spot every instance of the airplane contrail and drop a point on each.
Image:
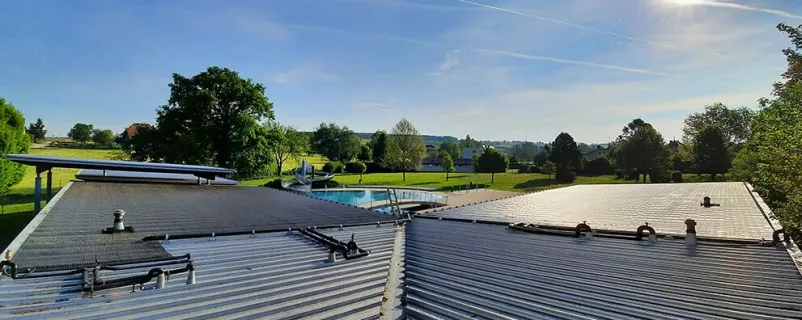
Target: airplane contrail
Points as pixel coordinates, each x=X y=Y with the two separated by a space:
x=568 y=61
x=570 y=24
x=741 y=7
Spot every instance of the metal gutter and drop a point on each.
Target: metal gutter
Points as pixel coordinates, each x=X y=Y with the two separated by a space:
x=22 y=236
x=789 y=244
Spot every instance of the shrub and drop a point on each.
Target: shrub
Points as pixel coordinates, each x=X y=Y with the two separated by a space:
x=523 y=168
x=676 y=176
x=275 y=184
x=355 y=167
x=660 y=176
x=326 y=184
x=333 y=167
x=565 y=175
x=598 y=166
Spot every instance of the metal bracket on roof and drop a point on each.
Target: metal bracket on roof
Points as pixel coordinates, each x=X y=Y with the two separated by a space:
x=348 y=250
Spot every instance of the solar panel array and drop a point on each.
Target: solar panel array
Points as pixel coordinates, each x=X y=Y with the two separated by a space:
x=78 y=163
x=627 y=206
x=71 y=232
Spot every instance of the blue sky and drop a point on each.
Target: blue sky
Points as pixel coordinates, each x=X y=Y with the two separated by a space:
x=516 y=69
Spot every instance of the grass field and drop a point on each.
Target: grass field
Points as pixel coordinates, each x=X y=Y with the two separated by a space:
x=519 y=182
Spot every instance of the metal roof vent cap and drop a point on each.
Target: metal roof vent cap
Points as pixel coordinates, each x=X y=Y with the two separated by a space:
x=707 y=204
x=690 y=232
x=119 y=218
x=119 y=223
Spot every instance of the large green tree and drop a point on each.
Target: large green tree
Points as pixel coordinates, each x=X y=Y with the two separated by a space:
x=446 y=162
x=525 y=151
x=642 y=149
x=103 y=136
x=365 y=154
x=378 y=146
x=734 y=123
x=492 y=161
x=13 y=139
x=211 y=118
x=335 y=142
x=286 y=142
x=37 y=130
x=771 y=157
x=469 y=142
x=81 y=132
x=405 y=148
x=710 y=151
x=452 y=148
x=548 y=168
x=565 y=153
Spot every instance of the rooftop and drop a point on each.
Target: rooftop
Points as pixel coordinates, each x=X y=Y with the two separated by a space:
x=69 y=232
x=627 y=206
x=477 y=267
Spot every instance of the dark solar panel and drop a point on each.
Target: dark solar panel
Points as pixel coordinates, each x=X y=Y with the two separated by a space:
x=148 y=177
x=71 y=231
x=78 y=163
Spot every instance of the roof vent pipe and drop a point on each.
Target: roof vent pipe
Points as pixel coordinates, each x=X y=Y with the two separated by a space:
x=191 y=274
x=690 y=232
x=332 y=256
x=160 y=281
x=707 y=204
x=119 y=217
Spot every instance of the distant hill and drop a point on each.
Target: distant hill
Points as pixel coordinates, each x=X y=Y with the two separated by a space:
x=426 y=138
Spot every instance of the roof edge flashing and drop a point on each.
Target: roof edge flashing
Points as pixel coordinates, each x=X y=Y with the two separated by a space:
x=790 y=245
x=33 y=224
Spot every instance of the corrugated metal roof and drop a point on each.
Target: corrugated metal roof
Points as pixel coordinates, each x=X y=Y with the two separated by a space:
x=265 y=276
x=627 y=206
x=70 y=234
x=468 y=271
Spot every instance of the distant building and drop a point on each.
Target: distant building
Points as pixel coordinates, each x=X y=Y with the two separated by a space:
x=673 y=146
x=131 y=131
x=468 y=153
x=430 y=148
x=463 y=164
x=596 y=153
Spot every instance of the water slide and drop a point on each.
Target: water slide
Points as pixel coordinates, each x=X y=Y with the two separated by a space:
x=302 y=181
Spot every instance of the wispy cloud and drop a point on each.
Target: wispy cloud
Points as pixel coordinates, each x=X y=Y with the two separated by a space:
x=303 y=74
x=738 y=6
x=407 y=4
x=570 y=24
x=451 y=60
x=568 y=61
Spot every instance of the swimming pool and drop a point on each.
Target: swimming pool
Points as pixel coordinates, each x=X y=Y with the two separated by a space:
x=374 y=197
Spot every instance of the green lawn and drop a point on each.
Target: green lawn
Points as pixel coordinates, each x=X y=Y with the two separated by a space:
x=519 y=182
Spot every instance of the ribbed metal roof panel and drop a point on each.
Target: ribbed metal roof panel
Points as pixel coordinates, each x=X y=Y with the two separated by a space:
x=627 y=206
x=469 y=271
x=238 y=277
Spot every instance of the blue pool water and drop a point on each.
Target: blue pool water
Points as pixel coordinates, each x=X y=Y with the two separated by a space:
x=376 y=197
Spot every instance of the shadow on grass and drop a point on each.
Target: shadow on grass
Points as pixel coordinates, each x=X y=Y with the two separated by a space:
x=425 y=183
x=535 y=184
x=11 y=224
